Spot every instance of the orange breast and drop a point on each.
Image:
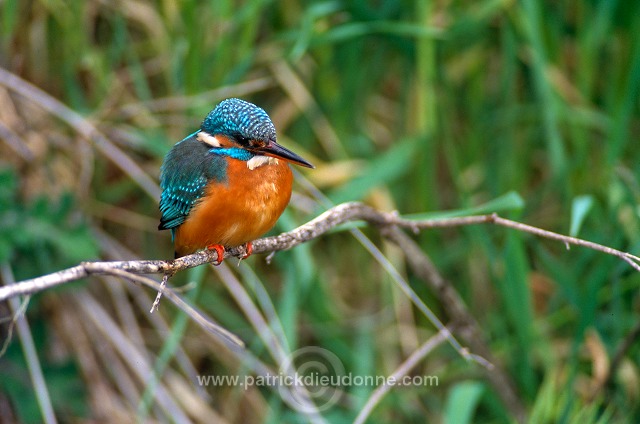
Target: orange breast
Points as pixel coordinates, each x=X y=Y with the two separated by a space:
x=240 y=210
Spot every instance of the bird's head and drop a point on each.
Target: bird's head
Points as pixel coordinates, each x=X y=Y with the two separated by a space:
x=249 y=127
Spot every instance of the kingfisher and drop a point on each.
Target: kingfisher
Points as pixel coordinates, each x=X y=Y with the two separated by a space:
x=226 y=184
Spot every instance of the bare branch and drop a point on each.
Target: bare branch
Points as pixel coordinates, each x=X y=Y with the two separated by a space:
x=345 y=212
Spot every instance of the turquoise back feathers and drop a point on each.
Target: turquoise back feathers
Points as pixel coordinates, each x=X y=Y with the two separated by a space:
x=186 y=171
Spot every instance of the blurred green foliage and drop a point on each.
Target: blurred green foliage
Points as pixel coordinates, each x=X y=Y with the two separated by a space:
x=42 y=234
x=530 y=108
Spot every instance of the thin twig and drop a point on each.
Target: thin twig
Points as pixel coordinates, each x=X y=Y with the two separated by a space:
x=405 y=287
x=207 y=323
x=398 y=375
x=567 y=240
x=465 y=323
x=156 y=302
x=30 y=354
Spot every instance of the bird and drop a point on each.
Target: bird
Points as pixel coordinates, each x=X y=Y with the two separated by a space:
x=226 y=184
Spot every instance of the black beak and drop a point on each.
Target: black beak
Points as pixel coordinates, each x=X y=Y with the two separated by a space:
x=277 y=151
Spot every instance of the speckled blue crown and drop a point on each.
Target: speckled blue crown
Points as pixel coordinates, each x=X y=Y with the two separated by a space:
x=235 y=117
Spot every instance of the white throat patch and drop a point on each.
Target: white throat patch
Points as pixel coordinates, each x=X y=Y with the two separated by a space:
x=260 y=160
x=207 y=138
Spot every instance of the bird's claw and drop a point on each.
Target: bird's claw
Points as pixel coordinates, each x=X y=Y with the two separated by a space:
x=248 y=250
x=219 y=250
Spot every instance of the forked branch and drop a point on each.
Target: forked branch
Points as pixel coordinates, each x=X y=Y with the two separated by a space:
x=345 y=212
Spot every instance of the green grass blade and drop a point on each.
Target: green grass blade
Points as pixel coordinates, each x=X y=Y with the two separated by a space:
x=580 y=208
x=462 y=401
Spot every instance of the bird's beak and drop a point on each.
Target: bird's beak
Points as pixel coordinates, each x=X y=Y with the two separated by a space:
x=275 y=150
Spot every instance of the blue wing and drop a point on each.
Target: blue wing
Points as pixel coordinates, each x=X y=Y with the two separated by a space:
x=185 y=172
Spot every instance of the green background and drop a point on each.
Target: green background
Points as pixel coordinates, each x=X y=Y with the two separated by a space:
x=419 y=107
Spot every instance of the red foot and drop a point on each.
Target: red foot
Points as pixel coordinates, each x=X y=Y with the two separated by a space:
x=219 y=250
x=248 y=250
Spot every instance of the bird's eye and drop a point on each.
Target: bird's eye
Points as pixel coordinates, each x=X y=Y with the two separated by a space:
x=249 y=142
x=243 y=140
